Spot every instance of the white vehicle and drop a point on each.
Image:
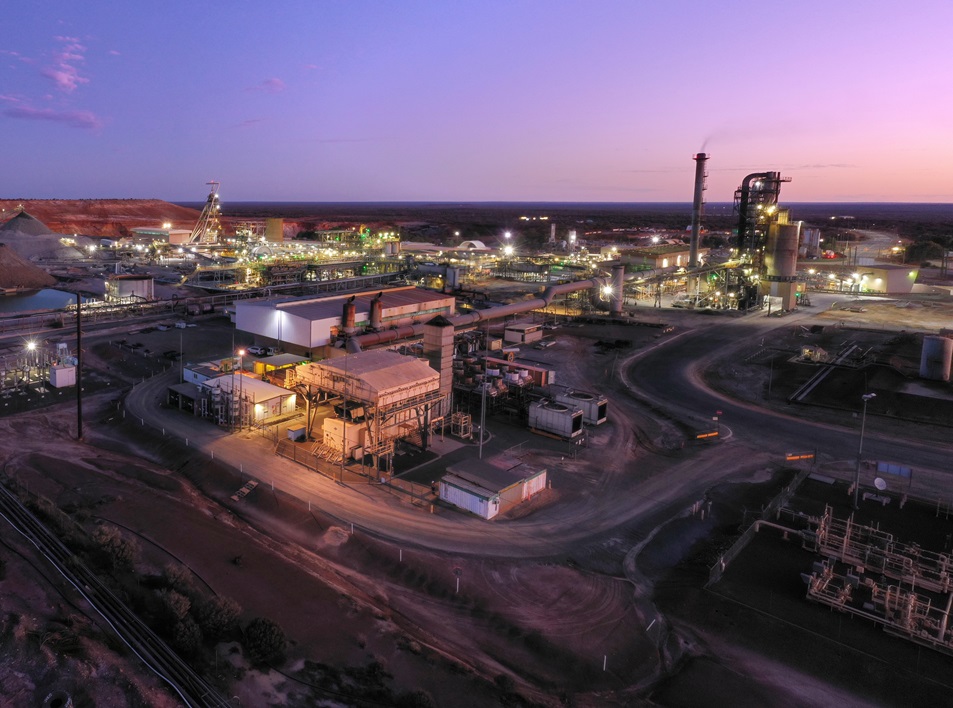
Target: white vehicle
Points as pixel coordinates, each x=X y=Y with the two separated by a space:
x=257 y=351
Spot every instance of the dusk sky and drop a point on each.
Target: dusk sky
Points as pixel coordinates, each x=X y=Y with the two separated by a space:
x=479 y=101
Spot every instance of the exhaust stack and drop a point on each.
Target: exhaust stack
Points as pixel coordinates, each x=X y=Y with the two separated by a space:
x=698 y=205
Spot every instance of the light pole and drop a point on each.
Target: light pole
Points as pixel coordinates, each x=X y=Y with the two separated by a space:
x=241 y=368
x=860 y=447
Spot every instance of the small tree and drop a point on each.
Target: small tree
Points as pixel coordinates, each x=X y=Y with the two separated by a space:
x=175 y=604
x=264 y=641
x=187 y=637
x=123 y=552
x=217 y=616
x=178 y=577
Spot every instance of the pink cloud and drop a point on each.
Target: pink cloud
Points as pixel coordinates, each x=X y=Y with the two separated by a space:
x=64 y=73
x=114 y=53
x=272 y=85
x=75 y=119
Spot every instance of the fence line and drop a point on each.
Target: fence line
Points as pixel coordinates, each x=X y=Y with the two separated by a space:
x=773 y=508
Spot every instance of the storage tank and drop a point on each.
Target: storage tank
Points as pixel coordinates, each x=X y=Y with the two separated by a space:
x=780 y=253
x=556 y=419
x=936 y=358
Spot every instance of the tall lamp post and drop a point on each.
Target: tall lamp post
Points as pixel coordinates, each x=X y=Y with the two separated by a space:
x=241 y=368
x=860 y=447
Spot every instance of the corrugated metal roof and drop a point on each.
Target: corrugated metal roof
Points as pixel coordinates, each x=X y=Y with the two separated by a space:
x=255 y=389
x=490 y=478
x=469 y=487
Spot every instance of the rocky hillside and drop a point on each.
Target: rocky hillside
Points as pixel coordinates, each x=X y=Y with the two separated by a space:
x=101 y=217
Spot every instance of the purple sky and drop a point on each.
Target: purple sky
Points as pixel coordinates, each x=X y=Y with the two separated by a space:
x=441 y=101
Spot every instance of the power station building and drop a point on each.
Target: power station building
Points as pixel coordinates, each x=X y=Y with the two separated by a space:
x=379 y=396
x=310 y=325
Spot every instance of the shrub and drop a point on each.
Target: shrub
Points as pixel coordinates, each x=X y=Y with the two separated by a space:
x=218 y=616
x=187 y=637
x=121 y=551
x=175 y=604
x=178 y=577
x=264 y=641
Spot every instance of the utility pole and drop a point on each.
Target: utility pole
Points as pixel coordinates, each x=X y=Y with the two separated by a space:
x=860 y=448
x=79 y=367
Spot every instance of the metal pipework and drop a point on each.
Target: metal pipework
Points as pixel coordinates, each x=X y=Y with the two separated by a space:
x=355 y=344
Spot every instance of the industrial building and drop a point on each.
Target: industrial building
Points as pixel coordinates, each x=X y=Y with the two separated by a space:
x=175 y=237
x=311 y=325
x=231 y=398
x=129 y=288
x=379 y=397
x=489 y=488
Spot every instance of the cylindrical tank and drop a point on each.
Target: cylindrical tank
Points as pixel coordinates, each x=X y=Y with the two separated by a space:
x=780 y=253
x=618 y=285
x=936 y=358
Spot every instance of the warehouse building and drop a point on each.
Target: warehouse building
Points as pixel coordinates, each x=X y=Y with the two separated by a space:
x=488 y=488
x=310 y=325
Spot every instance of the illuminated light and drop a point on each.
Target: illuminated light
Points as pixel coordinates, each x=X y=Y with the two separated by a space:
x=507 y=235
x=31 y=346
x=507 y=250
x=606 y=289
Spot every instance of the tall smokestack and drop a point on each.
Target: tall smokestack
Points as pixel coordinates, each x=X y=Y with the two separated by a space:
x=698 y=205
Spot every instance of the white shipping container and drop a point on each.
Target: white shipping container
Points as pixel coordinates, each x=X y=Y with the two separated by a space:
x=481 y=506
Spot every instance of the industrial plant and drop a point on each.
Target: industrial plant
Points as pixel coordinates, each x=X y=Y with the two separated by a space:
x=505 y=392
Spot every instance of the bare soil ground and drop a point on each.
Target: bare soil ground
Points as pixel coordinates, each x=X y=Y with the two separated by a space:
x=518 y=631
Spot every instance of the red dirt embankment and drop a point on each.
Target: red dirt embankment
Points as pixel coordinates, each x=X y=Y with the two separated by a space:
x=101 y=217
